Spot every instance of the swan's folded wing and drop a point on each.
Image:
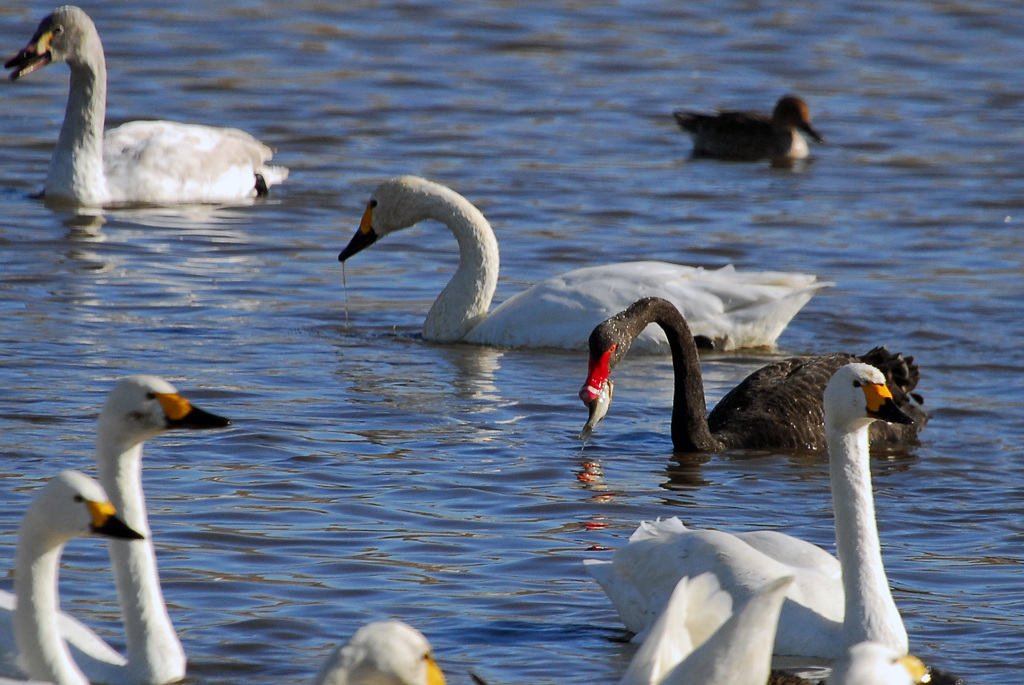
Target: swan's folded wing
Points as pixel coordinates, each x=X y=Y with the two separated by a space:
x=742 y=309
x=659 y=528
x=818 y=577
x=168 y=162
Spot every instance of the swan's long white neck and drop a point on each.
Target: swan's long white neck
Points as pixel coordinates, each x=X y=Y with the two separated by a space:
x=465 y=300
x=154 y=652
x=44 y=653
x=76 y=168
x=871 y=612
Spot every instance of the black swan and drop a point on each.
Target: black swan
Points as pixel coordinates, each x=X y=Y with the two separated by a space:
x=777 y=406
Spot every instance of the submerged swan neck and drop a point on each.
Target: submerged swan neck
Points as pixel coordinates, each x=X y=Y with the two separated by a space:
x=45 y=655
x=76 y=168
x=690 y=432
x=465 y=300
x=154 y=651
x=871 y=612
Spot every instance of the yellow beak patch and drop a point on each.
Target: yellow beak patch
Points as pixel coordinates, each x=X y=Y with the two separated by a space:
x=876 y=396
x=366 y=223
x=176 y=406
x=100 y=512
x=43 y=44
x=434 y=674
x=916 y=669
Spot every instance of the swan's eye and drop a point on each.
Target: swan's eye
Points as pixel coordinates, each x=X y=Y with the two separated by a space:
x=856 y=384
x=371 y=204
x=79 y=498
x=57 y=30
x=150 y=395
x=613 y=347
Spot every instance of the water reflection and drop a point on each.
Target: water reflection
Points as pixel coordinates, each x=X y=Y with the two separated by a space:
x=686 y=472
x=474 y=370
x=213 y=217
x=85 y=226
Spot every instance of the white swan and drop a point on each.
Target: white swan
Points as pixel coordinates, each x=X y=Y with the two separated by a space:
x=697 y=640
x=71 y=505
x=382 y=653
x=141 y=162
x=832 y=603
x=137 y=409
x=731 y=308
x=870 y=663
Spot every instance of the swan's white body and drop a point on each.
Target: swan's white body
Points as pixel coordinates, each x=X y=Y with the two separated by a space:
x=869 y=663
x=137 y=409
x=70 y=506
x=382 y=653
x=743 y=309
x=698 y=640
x=734 y=308
x=141 y=162
x=641 y=576
x=832 y=603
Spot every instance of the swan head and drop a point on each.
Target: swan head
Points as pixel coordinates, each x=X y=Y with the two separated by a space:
x=870 y=663
x=383 y=653
x=66 y=35
x=395 y=204
x=856 y=396
x=73 y=505
x=610 y=341
x=793 y=113
x=140 y=407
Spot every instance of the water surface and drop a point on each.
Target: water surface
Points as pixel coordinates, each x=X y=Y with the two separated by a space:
x=370 y=474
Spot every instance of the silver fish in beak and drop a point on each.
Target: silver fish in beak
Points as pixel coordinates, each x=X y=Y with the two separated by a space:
x=597 y=408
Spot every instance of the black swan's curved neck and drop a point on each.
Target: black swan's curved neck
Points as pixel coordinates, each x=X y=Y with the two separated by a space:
x=690 y=432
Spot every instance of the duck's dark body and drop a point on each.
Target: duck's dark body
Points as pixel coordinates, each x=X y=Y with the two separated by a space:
x=749 y=136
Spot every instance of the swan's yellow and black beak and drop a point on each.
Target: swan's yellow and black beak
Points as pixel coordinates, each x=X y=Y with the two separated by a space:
x=914 y=666
x=881 y=404
x=435 y=676
x=364 y=237
x=105 y=522
x=35 y=55
x=183 y=414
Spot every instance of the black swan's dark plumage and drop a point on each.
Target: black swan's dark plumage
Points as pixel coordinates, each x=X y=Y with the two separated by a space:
x=777 y=406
